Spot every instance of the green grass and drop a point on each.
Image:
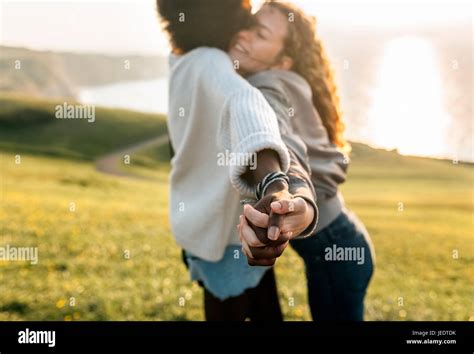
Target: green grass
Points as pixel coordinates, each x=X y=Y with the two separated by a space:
x=44 y=134
x=419 y=213
x=83 y=253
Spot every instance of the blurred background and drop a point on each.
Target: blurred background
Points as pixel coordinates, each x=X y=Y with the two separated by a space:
x=93 y=196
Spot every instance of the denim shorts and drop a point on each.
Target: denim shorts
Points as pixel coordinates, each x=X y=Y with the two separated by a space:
x=228 y=277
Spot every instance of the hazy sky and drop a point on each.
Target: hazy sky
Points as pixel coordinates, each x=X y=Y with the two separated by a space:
x=126 y=26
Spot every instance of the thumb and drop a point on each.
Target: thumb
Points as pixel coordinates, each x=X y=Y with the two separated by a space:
x=274 y=225
x=283 y=206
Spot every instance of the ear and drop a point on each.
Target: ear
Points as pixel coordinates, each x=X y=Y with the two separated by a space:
x=286 y=63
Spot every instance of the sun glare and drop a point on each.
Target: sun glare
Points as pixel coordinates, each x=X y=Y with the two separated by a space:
x=407 y=111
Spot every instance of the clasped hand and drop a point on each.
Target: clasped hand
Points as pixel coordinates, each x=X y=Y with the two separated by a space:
x=266 y=228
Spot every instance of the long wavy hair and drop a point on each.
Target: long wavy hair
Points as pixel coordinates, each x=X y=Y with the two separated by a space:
x=311 y=62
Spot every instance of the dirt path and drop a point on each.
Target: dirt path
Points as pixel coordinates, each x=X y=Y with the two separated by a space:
x=111 y=162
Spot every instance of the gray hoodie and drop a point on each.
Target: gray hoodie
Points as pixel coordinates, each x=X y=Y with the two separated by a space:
x=290 y=95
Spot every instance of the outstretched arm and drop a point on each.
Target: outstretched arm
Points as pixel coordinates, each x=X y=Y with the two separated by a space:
x=278 y=217
x=296 y=212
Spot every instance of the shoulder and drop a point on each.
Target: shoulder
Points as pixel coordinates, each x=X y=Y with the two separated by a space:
x=206 y=56
x=211 y=66
x=269 y=79
x=281 y=82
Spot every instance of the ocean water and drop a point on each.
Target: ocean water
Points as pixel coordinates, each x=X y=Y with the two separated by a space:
x=143 y=96
x=411 y=93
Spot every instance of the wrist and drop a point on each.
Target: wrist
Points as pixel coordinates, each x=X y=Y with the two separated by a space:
x=310 y=211
x=269 y=180
x=275 y=187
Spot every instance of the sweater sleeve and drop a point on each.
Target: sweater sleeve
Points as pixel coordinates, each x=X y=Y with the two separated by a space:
x=247 y=124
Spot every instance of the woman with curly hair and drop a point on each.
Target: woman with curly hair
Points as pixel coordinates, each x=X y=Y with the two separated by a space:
x=282 y=56
x=214 y=111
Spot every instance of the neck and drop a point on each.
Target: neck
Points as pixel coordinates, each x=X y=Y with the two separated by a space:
x=177 y=51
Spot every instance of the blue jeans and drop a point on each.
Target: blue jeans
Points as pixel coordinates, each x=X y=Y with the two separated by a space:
x=339 y=263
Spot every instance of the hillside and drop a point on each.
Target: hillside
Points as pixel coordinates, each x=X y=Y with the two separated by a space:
x=55 y=74
x=417 y=210
x=29 y=126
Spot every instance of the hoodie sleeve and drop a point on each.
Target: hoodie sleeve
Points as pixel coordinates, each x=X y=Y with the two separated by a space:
x=299 y=171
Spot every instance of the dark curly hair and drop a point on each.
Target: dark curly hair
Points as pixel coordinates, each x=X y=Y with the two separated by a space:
x=197 y=23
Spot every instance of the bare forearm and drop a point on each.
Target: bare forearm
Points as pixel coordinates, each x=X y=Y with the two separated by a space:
x=267 y=162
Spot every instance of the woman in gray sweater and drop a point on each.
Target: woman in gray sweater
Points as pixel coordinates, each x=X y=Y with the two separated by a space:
x=281 y=56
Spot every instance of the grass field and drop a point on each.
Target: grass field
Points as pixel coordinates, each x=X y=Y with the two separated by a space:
x=112 y=256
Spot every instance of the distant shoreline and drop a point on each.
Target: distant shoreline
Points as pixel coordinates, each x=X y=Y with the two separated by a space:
x=48 y=74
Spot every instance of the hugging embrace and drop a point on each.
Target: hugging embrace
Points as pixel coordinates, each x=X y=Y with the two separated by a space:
x=259 y=85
